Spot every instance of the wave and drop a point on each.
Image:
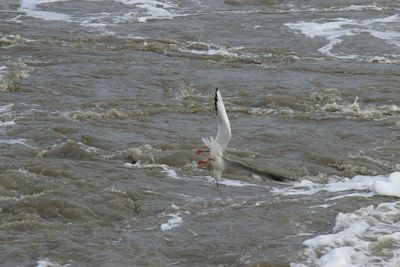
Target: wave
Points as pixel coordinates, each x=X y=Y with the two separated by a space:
x=208 y=49
x=172 y=173
x=142 y=11
x=326 y=104
x=337 y=30
x=11 y=73
x=370 y=233
x=366 y=237
x=20 y=141
x=6 y=119
x=47 y=263
x=32 y=8
x=354 y=109
x=365 y=186
x=175 y=221
x=152 y=9
x=198 y=50
x=10 y=40
x=93 y=114
x=5 y=108
x=70 y=150
x=6 y=123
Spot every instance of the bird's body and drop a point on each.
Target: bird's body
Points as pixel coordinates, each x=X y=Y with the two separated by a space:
x=217 y=146
x=218 y=167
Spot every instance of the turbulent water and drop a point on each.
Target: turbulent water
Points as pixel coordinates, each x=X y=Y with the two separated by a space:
x=103 y=104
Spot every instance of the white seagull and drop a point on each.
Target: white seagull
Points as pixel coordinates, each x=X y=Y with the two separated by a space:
x=217 y=146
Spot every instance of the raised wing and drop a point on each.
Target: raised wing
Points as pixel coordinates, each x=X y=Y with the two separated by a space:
x=224 y=127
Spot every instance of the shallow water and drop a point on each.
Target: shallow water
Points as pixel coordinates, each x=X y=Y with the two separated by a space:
x=103 y=105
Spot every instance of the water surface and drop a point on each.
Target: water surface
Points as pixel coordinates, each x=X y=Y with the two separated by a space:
x=103 y=105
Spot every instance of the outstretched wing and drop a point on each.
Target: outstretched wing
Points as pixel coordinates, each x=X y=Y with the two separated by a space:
x=224 y=127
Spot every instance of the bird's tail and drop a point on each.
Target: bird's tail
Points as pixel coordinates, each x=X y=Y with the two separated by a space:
x=265 y=175
x=215 y=148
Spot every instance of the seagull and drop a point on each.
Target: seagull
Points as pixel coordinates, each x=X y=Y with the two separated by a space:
x=216 y=160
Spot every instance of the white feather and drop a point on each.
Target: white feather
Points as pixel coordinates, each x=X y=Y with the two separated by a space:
x=224 y=127
x=218 y=145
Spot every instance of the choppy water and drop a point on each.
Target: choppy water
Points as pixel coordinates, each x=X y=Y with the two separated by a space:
x=88 y=88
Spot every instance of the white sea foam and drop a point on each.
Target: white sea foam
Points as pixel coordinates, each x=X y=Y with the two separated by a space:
x=373 y=6
x=140 y=165
x=48 y=263
x=78 y=115
x=9 y=40
x=15 y=19
x=369 y=236
x=210 y=52
x=228 y=182
x=151 y=9
x=171 y=173
x=229 y=53
x=388 y=59
x=355 y=109
x=89 y=149
x=222 y=181
x=201 y=48
x=335 y=31
x=6 y=108
x=13 y=141
x=353 y=7
x=31 y=8
x=90 y=22
x=14 y=71
x=364 y=186
x=20 y=141
x=6 y=123
x=332 y=105
x=141 y=11
x=389 y=187
x=175 y=221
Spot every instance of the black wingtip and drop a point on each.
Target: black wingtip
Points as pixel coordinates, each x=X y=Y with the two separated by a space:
x=216 y=101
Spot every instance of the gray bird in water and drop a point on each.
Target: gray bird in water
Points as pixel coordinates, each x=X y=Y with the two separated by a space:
x=216 y=160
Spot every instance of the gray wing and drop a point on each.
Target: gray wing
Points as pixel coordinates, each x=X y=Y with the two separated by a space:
x=265 y=175
x=224 y=127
